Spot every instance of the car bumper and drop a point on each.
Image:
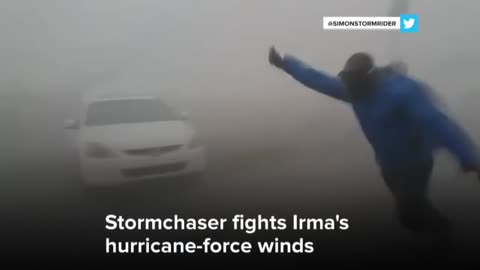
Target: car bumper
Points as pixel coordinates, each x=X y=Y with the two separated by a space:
x=112 y=171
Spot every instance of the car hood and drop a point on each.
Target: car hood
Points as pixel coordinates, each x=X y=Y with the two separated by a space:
x=139 y=135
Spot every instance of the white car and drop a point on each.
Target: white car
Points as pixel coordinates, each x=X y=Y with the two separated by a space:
x=134 y=138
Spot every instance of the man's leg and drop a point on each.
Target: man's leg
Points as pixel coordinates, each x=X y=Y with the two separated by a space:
x=415 y=211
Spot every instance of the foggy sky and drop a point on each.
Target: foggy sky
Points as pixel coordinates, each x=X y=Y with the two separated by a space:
x=213 y=52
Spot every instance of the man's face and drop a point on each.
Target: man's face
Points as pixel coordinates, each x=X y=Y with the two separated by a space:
x=356 y=82
x=356 y=74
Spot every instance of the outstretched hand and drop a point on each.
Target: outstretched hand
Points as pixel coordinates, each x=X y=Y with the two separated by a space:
x=275 y=58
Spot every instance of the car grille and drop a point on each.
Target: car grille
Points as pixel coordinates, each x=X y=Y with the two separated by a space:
x=154 y=151
x=154 y=170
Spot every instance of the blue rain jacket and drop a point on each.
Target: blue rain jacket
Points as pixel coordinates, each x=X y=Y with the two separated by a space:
x=399 y=119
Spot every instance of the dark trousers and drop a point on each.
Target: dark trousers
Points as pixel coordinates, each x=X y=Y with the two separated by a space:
x=415 y=211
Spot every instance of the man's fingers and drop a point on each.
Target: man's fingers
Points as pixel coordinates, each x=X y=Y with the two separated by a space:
x=272 y=55
x=273 y=51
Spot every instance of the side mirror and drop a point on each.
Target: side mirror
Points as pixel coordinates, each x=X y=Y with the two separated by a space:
x=184 y=115
x=70 y=124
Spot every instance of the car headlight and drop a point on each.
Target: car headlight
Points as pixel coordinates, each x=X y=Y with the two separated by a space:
x=195 y=142
x=98 y=150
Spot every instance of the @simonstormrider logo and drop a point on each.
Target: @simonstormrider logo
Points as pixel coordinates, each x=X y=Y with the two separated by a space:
x=408 y=23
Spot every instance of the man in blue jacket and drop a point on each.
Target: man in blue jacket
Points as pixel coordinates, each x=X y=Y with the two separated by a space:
x=404 y=127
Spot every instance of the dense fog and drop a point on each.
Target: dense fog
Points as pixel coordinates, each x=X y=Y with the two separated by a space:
x=271 y=141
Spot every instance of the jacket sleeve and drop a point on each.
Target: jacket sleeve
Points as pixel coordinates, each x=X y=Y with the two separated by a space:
x=439 y=127
x=314 y=79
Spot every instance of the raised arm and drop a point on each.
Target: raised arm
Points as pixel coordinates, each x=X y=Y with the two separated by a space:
x=440 y=127
x=309 y=76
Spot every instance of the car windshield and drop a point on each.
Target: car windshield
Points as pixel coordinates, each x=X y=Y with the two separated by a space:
x=112 y=112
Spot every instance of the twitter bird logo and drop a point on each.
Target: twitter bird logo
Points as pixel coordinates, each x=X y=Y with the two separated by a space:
x=408 y=23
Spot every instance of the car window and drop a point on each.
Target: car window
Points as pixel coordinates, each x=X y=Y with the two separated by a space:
x=112 y=112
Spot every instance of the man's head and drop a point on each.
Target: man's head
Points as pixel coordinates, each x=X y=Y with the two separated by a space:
x=357 y=74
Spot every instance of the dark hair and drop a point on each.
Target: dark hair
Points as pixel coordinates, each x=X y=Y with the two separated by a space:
x=359 y=62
